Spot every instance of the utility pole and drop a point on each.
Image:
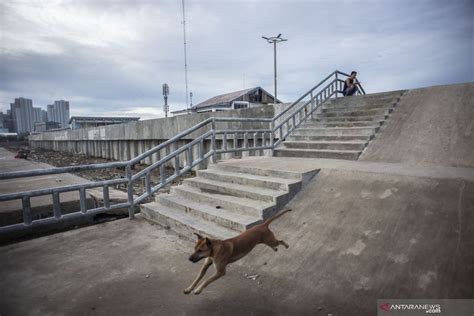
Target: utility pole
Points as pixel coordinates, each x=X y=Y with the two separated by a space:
x=185 y=58
x=166 y=93
x=274 y=40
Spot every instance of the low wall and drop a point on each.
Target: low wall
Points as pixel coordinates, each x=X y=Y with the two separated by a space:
x=126 y=141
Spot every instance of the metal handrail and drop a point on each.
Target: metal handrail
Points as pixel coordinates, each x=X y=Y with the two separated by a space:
x=304 y=95
x=276 y=133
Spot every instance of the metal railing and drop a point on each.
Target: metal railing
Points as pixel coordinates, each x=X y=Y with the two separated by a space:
x=275 y=130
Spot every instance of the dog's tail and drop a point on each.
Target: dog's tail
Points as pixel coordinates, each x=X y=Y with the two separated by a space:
x=271 y=219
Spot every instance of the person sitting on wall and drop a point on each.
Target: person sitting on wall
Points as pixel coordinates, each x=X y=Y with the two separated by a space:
x=350 y=85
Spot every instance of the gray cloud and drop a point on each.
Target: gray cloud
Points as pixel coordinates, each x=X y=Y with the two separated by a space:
x=113 y=56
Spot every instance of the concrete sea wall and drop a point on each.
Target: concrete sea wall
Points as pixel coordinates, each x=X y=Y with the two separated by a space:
x=126 y=141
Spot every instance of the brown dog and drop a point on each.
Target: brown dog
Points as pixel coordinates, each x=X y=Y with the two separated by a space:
x=223 y=252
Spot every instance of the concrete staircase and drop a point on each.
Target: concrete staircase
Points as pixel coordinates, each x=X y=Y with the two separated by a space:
x=227 y=198
x=342 y=128
x=224 y=200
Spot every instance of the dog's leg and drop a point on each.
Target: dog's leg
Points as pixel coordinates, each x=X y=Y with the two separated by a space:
x=271 y=241
x=220 y=272
x=205 y=266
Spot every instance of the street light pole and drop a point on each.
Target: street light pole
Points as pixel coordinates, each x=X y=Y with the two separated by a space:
x=275 y=69
x=274 y=40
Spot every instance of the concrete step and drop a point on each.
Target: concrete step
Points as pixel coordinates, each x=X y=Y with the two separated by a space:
x=341 y=124
x=328 y=138
x=228 y=202
x=273 y=183
x=355 y=108
x=380 y=95
x=272 y=173
x=239 y=190
x=371 y=118
x=185 y=224
x=317 y=153
x=234 y=220
x=365 y=105
x=349 y=112
x=365 y=131
x=332 y=145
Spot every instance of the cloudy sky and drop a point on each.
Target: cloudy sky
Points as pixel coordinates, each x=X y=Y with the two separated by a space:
x=111 y=57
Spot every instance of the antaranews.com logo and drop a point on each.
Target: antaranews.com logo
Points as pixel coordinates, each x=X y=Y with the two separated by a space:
x=428 y=308
x=406 y=307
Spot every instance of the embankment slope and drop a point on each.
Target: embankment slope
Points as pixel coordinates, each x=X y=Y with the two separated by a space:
x=356 y=236
x=432 y=125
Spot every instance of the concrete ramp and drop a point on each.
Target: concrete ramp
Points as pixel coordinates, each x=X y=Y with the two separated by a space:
x=432 y=125
x=356 y=237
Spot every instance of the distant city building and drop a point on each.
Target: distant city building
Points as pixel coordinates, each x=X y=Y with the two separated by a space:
x=44 y=116
x=46 y=126
x=93 y=121
x=22 y=115
x=59 y=112
x=37 y=115
x=3 y=129
x=6 y=122
x=230 y=101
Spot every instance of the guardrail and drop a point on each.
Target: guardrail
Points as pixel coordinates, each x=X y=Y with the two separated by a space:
x=277 y=129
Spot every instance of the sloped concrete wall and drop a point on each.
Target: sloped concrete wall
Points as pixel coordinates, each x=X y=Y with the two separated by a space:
x=432 y=125
x=358 y=236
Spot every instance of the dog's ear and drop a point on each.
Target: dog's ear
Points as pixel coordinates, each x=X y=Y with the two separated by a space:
x=208 y=242
x=198 y=236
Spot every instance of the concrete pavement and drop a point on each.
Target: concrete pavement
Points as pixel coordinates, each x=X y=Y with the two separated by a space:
x=354 y=236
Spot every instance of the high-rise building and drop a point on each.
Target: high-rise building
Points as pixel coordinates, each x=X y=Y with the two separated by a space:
x=37 y=116
x=6 y=122
x=44 y=116
x=59 y=112
x=23 y=115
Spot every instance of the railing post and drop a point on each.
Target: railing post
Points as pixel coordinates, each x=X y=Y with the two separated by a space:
x=131 y=211
x=272 y=137
x=190 y=157
x=255 y=141
x=82 y=200
x=27 y=218
x=201 y=149
x=148 y=183
x=224 y=142
x=213 y=142
x=176 y=159
x=162 y=174
x=176 y=163
x=105 y=190
x=336 y=82
x=236 y=140
x=56 y=206
x=246 y=140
